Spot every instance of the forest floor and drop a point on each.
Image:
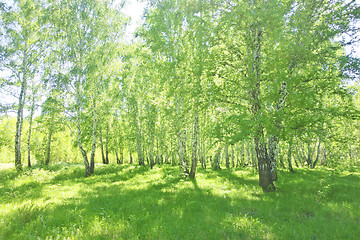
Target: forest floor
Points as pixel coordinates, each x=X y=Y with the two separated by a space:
x=132 y=202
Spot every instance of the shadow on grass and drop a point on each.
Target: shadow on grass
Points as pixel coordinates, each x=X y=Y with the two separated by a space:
x=165 y=206
x=164 y=209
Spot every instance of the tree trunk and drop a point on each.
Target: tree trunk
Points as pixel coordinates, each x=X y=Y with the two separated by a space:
x=130 y=155
x=138 y=138
x=242 y=162
x=121 y=154
x=289 y=156
x=216 y=162
x=19 y=119
x=317 y=155
x=151 y=148
x=117 y=156
x=93 y=146
x=151 y=129
x=273 y=142
x=48 y=146
x=181 y=141
x=248 y=154
x=101 y=145
x=265 y=174
x=78 y=125
x=232 y=156
x=107 y=145
x=226 y=152
x=30 y=129
x=83 y=152
x=309 y=158
x=194 y=157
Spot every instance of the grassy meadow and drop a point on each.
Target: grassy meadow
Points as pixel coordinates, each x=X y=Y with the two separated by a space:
x=133 y=202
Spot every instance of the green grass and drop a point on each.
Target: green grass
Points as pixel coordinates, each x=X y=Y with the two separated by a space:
x=132 y=202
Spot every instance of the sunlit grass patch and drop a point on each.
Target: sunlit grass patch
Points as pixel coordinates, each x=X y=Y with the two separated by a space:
x=136 y=202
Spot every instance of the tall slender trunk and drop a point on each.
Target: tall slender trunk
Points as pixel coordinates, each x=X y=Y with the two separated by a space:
x=216 y=162
x=242 y=163
x=226 y=152
x=48 y=146
x=117 y=156
x=265 y=165
x=317 y=155
x=289 y=156
x=151 y=147
x=93 y=146
x=19 y=119
x=30 y=129
x=130 y=155
x=182 y=151
x=181 y=141
x=138 y=135
x=249 y=161
x=309 y=155
x=78 y=126
x=232 y=156
x=273 y=142
x=194 y=157
x=101 y=145
x=121 y=153
x=151 y=129
x=107 y=145
x=83 y=152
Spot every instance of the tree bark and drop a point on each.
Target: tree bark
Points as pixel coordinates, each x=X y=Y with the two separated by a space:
x=265 y=174
x=138 y=137
x=19 y=119
x=194 y=157
x=48 y=146
x=30 y=129
x=232 y=156
x=107 y=145
x=317 y=155
x=117 y=156
x=93 y=146
x=289 y=156
x=216 y=161
x=226 y=153
x=130 y=155
x=101 y=145
x=181 y=135
x=265 y=165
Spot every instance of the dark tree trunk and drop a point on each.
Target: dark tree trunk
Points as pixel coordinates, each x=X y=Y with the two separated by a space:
x=101 y=145
x=216 y=162
x=130 y=155
x=194 y=157
x=117 y=156
x=121 y=154
x=317 y=155
x=289 y=156
x=93 y=146
x=265 y=174
x=107 y=145
x=232 y=156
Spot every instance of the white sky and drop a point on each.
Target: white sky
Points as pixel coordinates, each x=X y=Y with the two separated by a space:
x=135 y=10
